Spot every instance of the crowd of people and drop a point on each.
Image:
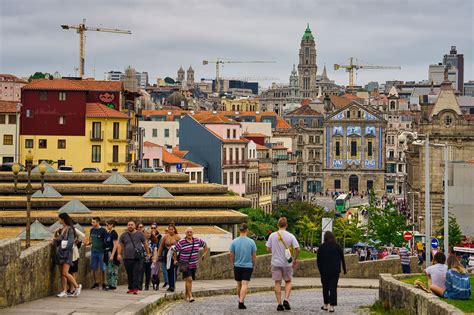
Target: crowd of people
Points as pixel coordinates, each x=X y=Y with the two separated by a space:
x=144 y=252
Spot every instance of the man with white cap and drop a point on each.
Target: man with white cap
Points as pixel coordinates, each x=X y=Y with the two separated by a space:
x=188 y=249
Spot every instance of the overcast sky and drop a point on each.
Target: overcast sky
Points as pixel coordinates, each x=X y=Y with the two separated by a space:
x=167 y=34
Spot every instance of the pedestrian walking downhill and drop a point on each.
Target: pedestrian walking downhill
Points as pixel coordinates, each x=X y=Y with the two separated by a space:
x=97 y=240
x=111 y=255
x=167 y=242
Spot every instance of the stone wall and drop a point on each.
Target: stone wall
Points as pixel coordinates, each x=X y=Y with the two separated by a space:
x=398 y=295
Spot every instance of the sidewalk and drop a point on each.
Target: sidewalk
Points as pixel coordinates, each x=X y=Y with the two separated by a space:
x=118 y=302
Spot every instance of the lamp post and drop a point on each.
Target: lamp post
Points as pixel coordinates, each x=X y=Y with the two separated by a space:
x=28 y=190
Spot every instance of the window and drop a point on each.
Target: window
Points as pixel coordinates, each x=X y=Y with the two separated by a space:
x=167 y=133
x=96 y=130
x=391 y=154
x=448 y=120
x=199 y=177
x=237 y=178
x=400 y=168
x=62 y=120
x=11 y=119
x=177 y=133
x=237 y=154
x=42 y=143
x=370 y=184
x=243 y=154
x=61 y=162
x=306 y=52
x=116 y=130
x=317 y=154
x=234 y=133
x=300 y=139
x=62 y=96
x=2 y=119
x=338 y=149
x=61 y=144
x=29 y=113
x=392 y=105
x=115 y=151
x=337 y=184
x=29 y=143
x=43 y=96
x=228 y=133
x=353 y=148
x=96 y=153
x=193 y=176
x=369 y=149
x=224 y=178
x=7 y=139
x=156 y=162
x=146 y=163
x=154 y=133
x=243 y=177
x=231 y=178
x=316 y=139
x=348 y=114
x=359 y=114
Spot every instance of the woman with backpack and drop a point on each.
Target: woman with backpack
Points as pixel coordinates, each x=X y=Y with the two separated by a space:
x=64 y=242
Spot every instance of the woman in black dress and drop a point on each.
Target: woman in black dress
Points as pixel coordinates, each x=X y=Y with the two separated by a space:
x=329 y=259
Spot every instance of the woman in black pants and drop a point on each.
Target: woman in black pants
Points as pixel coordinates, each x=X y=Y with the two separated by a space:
x=329 y=259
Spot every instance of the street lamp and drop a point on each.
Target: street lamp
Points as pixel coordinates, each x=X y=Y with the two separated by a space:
x=16 y=168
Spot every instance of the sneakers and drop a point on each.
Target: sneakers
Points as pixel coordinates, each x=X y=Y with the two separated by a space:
x=165 y=285
x=95 y=286
x=104 y=287
x=286 y=305
x=135 y=292
x=170 y=289
x=129 y=291
x=78 y=290
x=280 y=308
x=242 y=306
x=62 y=294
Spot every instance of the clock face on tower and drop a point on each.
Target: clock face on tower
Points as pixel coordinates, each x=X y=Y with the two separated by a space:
x=306 y=72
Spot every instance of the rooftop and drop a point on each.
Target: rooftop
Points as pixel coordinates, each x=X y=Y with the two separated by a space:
x=304 y=110
x=8 y=107
x=5 y=77
x=74 y=85
x=97 y=110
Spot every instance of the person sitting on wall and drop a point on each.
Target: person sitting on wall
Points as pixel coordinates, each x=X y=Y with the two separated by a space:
x=457 y=285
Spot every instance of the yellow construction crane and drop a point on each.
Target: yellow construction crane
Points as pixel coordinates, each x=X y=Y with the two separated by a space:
x=81 y=28
x=219 y=61
x=351 y=67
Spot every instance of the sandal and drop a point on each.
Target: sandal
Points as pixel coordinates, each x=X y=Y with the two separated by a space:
x=323 y=308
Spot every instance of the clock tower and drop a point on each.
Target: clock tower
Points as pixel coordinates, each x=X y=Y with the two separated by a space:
x=307 y=67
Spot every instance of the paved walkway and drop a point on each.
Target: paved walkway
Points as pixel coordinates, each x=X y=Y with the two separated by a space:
x=118 y=302
x=302 y=302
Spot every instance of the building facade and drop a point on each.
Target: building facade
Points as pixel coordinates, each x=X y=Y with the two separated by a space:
x=9 y=130
x=10 y=87
x=455 y=60
x=354 y=150
x=307 y=67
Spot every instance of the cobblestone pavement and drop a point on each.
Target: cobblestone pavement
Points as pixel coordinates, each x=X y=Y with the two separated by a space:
x=302 y=302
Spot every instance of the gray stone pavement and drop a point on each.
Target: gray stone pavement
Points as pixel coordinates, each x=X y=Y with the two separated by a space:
x=118 y=302
x=301 y=301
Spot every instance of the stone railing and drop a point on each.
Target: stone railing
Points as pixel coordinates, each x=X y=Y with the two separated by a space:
x=395 y=294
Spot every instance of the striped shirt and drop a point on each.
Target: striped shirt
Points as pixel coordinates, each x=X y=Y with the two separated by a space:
x=404 y=256
x=189 y=251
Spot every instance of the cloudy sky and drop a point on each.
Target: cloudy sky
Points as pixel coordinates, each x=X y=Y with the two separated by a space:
x=167 y=34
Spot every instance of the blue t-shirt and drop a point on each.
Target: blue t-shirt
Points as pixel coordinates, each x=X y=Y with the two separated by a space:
x=243 y=248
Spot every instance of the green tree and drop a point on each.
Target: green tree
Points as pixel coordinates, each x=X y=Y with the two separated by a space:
x=39 y=75
x=309 y=229
x=347 y=231
x=387 y=225
x=259 y=222
x=454 y=231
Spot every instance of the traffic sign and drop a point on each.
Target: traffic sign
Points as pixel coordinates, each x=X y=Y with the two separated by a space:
x=179 y=166
x=434 y=243
x=407 y=235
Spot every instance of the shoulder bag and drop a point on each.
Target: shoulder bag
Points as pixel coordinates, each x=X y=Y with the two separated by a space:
x=288 y=253
x=183 y=266
x=139 y=254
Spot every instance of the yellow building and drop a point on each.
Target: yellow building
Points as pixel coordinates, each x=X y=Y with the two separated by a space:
x=240 y=104
x=103 y=146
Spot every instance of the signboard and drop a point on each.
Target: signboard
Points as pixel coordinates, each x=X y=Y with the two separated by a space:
x=434 y=243
x=407 y=235
x=179 y=166
x=326 y=226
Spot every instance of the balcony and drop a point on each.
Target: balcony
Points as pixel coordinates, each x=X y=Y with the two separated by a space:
x=234 y=163
x=111 y=137
x=97 y=136
x=252 y=189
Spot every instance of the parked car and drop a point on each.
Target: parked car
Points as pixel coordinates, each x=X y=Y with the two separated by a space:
x=159 y=169
x=148 y=170
x=7 y=167
x=65 y=169
x=90 y=170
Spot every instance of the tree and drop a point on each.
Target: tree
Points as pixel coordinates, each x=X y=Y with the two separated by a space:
x=347 y=231
x=454 y=231
x=259 y=222
x=387 y=225
x=39 y=75
x=309 y=229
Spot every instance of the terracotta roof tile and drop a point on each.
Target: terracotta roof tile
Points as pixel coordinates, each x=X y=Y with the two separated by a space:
x=261 y=147
x=179 y=153
x=168 y=113
x=170 y=158
x=74 y=85
x=211 y=118
x=5 y=77
x=279 y=147
x=305 y=102
x=151 y=144
x=95 y=85
x=97 y=110
x=254 y=134
x=8 y=107
x=304 y=110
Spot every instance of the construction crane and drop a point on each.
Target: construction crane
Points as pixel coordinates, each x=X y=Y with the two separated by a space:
x=352 y=67
x=81 y=29
x=219 y=61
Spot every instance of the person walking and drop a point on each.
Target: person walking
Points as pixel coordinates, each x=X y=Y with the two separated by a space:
x=167 y=242
x=188 y=249
x=152 y=244
x=285 y=251
x=131 y=244
x=111 y=254
x=329 y=260
x=243 y=255
x=97 y=239
x=405 y=259
x=79 y=238
x=64 y=242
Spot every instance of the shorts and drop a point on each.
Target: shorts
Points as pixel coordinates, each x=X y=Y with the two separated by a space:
x=282 y=273
x=97 y=261
x=190 y=273
x=74 y=267
x=241 y=273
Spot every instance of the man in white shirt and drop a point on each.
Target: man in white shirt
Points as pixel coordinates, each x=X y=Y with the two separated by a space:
x=437 y=272
x=285 y=250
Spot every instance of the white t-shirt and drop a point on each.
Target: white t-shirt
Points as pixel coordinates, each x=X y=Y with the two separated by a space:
x=278 y=249
x=438 y=275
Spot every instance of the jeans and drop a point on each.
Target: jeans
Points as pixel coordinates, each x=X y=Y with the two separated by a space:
x=165 y=272
x=330 y=289
x=147 y=272
x=172 y=276
x=134 y=269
